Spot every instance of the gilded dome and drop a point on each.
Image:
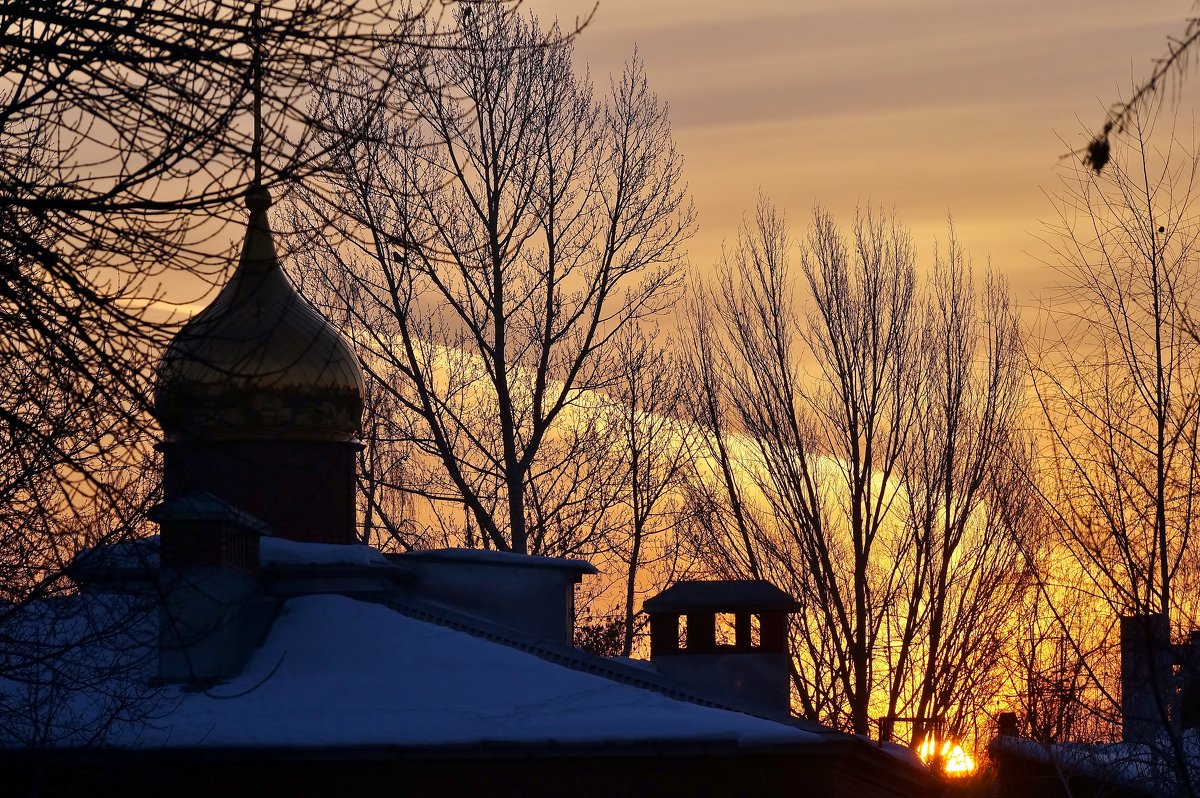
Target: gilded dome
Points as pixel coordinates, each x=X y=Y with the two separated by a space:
x=260 y=361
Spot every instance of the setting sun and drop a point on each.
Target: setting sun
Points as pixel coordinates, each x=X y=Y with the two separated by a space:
x=955 y=761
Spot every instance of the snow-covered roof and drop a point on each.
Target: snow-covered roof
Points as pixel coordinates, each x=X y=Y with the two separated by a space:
x=71 y=664
x=396 y=670
x=131 y=565
x=1131 y=764
x=335 y=671
x=276 y=552
x=136 y=554
x=200 y=505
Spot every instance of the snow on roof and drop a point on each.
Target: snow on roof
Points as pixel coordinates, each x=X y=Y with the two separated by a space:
x=489 y=557
x=339 y=672
x=896 y=751
x=142 y=554
x=1133 y=764
x=135 y=554
x=274 y=551
x=200 y=505
x=641 y=664
x=70 y=664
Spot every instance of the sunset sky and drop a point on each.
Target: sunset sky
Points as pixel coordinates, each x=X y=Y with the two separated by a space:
x=932 y=107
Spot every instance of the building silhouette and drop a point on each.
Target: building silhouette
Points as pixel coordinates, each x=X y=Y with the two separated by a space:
x=281 y=657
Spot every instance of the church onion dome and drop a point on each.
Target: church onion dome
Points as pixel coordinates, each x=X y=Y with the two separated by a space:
x=260 y=362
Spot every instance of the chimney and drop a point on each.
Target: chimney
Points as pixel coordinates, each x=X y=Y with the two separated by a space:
x=1007 y=725
x=1189 y=682
x=1149 y=700
x=726 y=639
x=209 y=621
x=533 y=596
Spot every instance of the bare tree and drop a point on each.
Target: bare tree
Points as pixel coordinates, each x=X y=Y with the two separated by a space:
x=1117 y=378
x=499 y=228
x=655 y=445
x=1059 y=648
x=119 y=124
x=872 y=489
x=967 y=506
x=1118 y=388
x=821 y=556
x=126 y=135
x=649 y=453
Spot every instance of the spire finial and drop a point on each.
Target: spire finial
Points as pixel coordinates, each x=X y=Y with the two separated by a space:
x=256 y=40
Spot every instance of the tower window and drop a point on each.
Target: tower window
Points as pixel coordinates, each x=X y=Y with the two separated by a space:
x=726 y=629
